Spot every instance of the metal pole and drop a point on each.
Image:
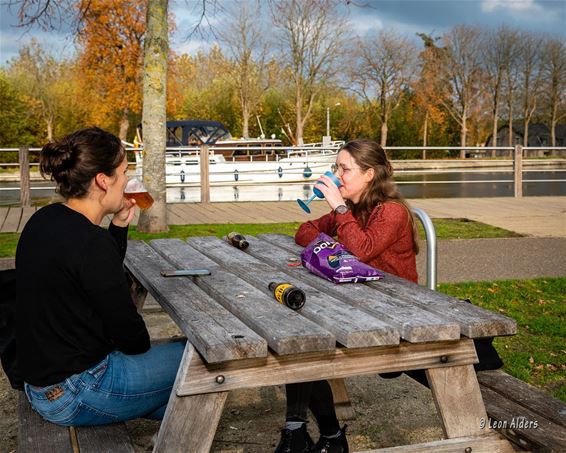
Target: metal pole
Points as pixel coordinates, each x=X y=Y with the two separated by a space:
x=518 y=171
x=327 y=121
x=430 y=234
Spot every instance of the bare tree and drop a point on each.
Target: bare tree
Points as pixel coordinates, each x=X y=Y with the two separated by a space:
x=499 y=49
x=461 y=70
x=386 y=70
x=530 y=73
x=554 y=71
x=312 y=36
x=511 y=86
x=247 y=42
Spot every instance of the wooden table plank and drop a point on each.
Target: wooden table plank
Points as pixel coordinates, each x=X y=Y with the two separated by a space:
x=352 y=327
x=36 y=434
x=489 y=443
x=524 y=395
x=104 y=439
x=217 y=334
x=540 y=433
x=342 y=363
x=475 y=322
x=286 y=331
x=414 y=324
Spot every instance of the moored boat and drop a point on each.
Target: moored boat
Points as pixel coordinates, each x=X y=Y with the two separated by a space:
x=244 y=161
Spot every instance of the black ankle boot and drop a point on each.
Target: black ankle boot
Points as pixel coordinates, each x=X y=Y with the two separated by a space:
x=333 y=445
x=295 y=441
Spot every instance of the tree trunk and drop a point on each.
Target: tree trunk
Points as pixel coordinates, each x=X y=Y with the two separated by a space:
x=383 y=140
x=245 y=120
x=526 y=133
x=124 y=125
x=49 y=124
x=510 y=129
x=463 y=131
x=154 y=220
x=299 y=115
x=425 y=134
x=494 y=131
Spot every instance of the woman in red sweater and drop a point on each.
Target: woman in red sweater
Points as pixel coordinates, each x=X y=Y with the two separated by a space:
x=371 y=219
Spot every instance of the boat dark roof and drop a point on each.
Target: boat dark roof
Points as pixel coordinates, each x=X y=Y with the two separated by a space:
x=195 y=132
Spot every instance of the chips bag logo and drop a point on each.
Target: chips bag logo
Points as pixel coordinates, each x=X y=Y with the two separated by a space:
x=335 y=261
x=320 y=246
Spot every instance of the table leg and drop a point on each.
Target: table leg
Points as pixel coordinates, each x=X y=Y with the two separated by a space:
x=457 y=396
x=190 y=422
x=137 y=291
x=342 y=403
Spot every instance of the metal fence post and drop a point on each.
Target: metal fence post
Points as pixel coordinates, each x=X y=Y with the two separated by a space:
x=25 y=199
x=430 y=234
x=518 y=171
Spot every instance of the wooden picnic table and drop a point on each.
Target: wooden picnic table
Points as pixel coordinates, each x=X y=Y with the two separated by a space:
x=240 y=337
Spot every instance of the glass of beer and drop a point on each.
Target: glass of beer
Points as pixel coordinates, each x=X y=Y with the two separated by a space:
x=136 y=190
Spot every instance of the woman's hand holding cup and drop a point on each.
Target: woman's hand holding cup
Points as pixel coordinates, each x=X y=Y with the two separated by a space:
x=329 y=185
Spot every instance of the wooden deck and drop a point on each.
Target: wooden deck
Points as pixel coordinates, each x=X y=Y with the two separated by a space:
x=531 y=216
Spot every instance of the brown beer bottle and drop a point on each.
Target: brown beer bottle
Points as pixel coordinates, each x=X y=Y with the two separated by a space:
x=287 y=294
x=237 y=240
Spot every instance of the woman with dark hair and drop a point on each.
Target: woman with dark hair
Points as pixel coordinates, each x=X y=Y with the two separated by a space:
x=372 y=220
x=82 y=348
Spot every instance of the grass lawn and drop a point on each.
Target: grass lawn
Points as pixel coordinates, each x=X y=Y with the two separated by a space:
x=445 y=229
x=537 y=354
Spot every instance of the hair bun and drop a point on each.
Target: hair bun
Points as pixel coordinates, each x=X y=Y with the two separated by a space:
x=56 y=158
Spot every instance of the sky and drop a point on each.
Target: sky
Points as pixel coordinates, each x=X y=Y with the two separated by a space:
x=405 y=17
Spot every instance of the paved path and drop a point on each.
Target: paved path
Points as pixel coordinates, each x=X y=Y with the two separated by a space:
x=530 y=216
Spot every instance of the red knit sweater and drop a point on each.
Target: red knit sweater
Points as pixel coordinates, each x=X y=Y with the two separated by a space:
x=385 y=243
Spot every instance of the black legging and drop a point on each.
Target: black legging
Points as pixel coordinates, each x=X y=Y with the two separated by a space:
x=316 y=396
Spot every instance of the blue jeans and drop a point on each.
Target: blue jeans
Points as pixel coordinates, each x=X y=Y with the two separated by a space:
x=121 y=387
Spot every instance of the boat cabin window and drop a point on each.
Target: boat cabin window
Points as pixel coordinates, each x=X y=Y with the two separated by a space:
x=174 y=136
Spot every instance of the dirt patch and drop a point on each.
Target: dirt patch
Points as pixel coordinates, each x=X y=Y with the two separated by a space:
x=388 y=412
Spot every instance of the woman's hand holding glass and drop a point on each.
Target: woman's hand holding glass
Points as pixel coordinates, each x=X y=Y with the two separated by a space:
x=330 y=191
x=124 y=216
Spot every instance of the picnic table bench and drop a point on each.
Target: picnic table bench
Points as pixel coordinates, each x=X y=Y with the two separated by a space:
x=240 y=337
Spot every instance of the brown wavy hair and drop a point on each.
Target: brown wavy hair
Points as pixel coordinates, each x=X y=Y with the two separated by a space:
x=73 y=161
x=382 y=188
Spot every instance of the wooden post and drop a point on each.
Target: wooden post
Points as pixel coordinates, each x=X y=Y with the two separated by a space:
x=518 y=170
x=25 y=199
x=204 y=174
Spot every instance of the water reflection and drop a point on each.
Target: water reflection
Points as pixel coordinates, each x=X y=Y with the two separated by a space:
x=438 y=185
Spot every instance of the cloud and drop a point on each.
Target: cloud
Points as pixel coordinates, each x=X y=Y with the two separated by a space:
x=522 y=6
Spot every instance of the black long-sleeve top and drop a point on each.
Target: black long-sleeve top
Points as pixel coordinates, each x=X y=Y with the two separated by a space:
x=73 y=302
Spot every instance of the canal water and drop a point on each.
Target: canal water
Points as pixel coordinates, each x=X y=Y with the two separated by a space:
x=444 y=184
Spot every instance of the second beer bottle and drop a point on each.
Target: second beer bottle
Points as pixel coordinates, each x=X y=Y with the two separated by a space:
x=237 y=240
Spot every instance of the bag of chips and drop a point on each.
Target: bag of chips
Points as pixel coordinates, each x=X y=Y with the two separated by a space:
x=331 y=260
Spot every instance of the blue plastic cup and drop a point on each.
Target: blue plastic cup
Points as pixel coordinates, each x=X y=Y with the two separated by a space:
x=317 y=193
